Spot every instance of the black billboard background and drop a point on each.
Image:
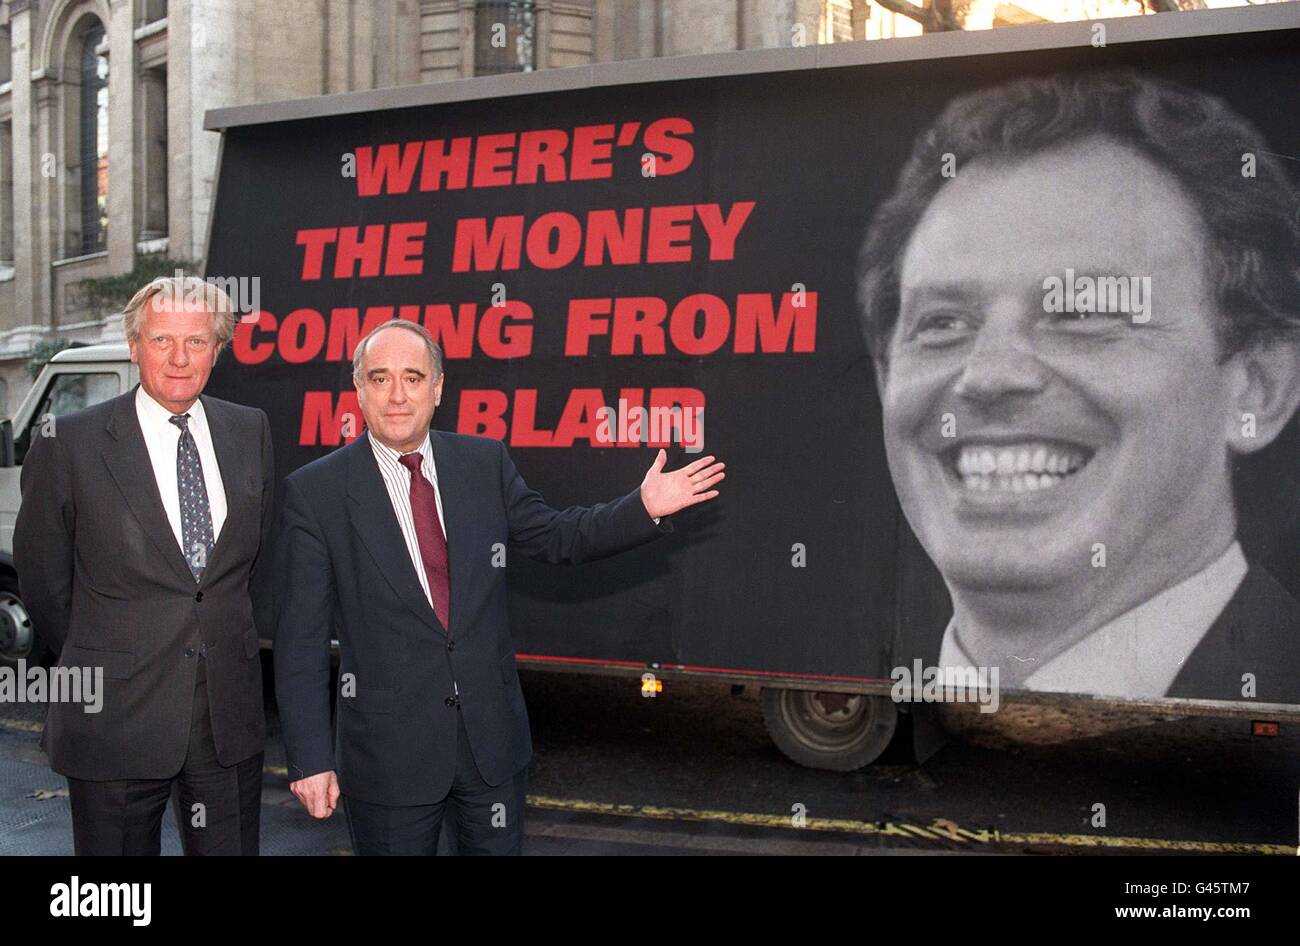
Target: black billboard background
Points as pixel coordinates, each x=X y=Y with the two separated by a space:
x=800 y=432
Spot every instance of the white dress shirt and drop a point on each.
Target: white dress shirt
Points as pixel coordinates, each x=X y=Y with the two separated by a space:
x=162 y=438
x=1138 y=654
x=397 y=479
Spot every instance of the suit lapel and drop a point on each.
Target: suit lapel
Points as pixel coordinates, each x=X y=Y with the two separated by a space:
x=128 y=462
x=1255 y=632
x=374 y=520
x=235 y=473
x=452 y=481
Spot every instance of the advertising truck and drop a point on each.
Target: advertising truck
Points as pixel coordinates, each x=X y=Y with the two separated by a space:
x=998 y=335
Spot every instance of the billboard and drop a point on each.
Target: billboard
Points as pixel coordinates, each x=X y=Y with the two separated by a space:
x=1002 y=351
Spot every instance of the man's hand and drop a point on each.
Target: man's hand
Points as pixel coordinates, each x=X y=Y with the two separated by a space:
x=665 y=493
x=318 y=793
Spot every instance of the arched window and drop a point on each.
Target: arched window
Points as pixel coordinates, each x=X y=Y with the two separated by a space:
x=92 y=137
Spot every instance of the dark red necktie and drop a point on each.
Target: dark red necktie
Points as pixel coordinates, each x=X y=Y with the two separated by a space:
x=433 y=544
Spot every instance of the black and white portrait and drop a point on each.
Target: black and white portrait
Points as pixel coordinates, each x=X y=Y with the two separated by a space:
x=1082 y=299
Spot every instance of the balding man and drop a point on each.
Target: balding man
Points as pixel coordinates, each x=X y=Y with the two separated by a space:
x=391 y=539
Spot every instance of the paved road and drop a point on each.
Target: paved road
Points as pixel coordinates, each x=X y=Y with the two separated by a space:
x=692 y=771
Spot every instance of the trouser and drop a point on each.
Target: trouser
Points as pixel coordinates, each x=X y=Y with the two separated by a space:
x=489 y=819
x=217 y=807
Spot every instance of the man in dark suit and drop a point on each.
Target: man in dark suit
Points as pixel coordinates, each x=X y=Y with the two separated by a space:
x=141 y=521
x=396 y=541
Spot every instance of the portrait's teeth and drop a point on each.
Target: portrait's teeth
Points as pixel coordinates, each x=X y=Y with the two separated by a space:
x=1020 y=468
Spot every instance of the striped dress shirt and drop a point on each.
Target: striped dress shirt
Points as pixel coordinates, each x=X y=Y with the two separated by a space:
x=397 y=479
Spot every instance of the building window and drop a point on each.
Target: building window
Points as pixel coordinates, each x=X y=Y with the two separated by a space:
x=6 y=55
x=150 y=11
x=92 y=149
x=504 y=37
x=152 y=178
x=6 y=199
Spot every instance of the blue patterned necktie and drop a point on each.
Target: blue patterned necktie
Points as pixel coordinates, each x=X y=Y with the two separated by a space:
x=196 y=516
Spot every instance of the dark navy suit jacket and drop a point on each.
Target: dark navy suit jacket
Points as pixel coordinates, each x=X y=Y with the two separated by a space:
x=1258 y=632
x=341 y=562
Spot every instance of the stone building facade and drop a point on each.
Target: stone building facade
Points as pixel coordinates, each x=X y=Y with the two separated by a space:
x=106 y=171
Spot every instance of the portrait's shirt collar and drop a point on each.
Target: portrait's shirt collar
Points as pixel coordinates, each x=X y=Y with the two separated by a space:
x=1140 y=653
x=951 y=653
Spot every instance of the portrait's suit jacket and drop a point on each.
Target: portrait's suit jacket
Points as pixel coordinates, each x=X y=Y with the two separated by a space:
x=1257 y=632
x=341 y=562
x=105 y=582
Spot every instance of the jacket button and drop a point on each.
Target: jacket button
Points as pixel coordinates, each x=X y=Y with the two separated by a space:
x=450 y=701
x=189 y=651
x=451 y=645
x=198 y=596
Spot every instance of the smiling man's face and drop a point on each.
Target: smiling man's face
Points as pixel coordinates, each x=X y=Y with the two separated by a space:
x=1069 y=430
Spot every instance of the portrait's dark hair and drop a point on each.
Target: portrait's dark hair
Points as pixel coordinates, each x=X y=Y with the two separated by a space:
x=1253 y=224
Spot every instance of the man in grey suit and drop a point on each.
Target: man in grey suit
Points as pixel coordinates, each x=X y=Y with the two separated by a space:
x=141 y=521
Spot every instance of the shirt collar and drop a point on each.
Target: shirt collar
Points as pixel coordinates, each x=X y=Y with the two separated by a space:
x=382 y=451
x=1139 y=653
x=157 y=415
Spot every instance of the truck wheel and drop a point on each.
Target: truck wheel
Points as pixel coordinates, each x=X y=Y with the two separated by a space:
x=18 y=639
x=836 y=731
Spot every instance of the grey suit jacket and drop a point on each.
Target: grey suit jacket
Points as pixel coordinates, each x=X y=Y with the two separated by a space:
x=106 y=585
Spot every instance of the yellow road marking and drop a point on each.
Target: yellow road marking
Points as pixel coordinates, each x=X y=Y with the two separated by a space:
x=943 y=830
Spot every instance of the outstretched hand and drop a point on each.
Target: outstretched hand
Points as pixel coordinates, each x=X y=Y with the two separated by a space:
x=665 y=493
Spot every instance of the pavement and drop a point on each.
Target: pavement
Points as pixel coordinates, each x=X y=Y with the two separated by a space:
x=692 y=771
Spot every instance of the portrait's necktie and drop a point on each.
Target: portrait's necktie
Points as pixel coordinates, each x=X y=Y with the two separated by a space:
x=433 y=544
x=196 y=515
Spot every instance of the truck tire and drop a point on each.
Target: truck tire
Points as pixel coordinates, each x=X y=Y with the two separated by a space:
x=840 y=732
x=18 y=639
